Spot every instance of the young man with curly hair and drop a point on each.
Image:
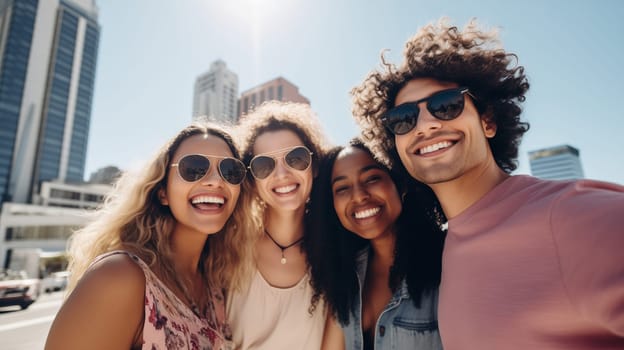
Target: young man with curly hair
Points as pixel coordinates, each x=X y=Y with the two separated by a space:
x=527 y=263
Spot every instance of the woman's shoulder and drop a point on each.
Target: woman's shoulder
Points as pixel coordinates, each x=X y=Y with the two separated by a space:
x=110 y=298
x=115 y=275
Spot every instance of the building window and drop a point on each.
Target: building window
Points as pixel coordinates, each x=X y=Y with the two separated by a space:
x=93 y=197
x=56 y=193
x=271 y=95
x=280 y=92
x=46 y=232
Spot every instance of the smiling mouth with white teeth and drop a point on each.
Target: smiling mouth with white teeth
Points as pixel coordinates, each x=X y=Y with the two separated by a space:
x=206 y=202
x=434 y=147
x=285 y=189
x=367 y=213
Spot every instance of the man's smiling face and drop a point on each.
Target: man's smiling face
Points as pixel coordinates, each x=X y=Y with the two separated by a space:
x=436 y=151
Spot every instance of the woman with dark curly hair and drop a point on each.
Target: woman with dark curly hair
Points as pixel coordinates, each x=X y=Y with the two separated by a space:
x=375 y=254
x=527 y=263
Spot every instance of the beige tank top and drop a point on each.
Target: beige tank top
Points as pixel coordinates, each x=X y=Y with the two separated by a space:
x=267 y=317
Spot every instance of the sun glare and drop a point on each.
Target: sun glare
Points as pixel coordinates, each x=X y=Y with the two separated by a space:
x=255 y=12
x=256 y=19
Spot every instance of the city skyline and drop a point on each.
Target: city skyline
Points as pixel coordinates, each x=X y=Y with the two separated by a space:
x=327 y=48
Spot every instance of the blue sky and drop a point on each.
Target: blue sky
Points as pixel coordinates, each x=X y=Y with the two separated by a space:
x=151 y=51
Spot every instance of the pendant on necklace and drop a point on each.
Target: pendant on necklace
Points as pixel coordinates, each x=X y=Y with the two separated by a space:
x=281 y=247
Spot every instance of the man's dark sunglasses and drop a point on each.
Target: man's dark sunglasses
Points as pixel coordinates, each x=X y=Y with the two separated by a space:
x=444 y=105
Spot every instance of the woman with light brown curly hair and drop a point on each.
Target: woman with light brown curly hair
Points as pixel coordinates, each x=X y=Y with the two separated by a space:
x=527 y=263
x=152 y=269
x=281 y=144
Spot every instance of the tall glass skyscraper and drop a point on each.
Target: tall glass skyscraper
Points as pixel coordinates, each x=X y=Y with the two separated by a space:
x=48 y=54
x=556 y=163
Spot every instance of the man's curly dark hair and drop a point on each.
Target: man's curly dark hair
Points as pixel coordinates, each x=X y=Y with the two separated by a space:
x=470 y=58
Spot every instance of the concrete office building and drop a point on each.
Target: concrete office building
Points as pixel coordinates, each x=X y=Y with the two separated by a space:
x=48 y=53
x=61 y=208
x=278 y=89
x=215 y=94
x=556 y=163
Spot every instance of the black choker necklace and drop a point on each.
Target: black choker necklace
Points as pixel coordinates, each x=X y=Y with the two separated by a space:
x=283 y=261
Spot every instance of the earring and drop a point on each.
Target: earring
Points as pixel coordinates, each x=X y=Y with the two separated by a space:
x=307 y=205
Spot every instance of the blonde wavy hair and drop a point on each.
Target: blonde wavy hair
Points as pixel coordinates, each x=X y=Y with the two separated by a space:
x=133 y=219
x=472 y=58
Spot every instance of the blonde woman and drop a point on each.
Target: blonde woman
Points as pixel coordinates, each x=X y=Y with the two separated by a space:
x=150 y=272
x=281 y=145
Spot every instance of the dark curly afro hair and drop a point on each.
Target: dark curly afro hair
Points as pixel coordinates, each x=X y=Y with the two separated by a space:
x=470 y=58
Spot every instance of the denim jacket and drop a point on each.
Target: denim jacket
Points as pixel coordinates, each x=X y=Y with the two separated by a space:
x=400 y=325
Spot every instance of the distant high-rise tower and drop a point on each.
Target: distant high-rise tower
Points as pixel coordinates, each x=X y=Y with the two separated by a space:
x=556 y=163
x=48 y=54
x=216 y=93
x=278 y=89
x=105 y=175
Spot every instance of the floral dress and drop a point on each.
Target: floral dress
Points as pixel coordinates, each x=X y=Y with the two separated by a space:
x=171 y=325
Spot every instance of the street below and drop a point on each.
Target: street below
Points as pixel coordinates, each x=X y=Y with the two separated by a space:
x=28 y=329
